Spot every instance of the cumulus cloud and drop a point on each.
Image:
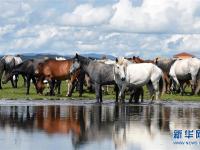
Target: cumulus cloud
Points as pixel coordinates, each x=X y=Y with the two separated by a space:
x=87 y=15
x=126 y=27
x=40 y=36
x=189 y=42
x=163 y=16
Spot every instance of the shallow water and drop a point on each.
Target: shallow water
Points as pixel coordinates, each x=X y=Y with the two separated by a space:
x=63 y=125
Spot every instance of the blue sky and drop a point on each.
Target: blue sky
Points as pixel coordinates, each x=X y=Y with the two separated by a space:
x=146 y=28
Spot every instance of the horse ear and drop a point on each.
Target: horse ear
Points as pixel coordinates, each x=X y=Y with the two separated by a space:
x=156 y=60
x=76 y=56
x=116 y=60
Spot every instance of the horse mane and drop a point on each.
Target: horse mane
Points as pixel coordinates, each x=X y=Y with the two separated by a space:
x=83 y=59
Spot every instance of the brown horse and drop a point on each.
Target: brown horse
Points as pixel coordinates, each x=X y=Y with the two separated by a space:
x=165 y=64
x=52 y=70
x=137 y=59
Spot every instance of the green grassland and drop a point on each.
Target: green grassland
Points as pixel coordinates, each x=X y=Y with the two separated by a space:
x=13 y=94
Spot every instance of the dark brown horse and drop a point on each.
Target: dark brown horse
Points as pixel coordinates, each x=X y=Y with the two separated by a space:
x=52 y=70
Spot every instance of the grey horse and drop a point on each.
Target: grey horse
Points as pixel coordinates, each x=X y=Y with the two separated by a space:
x=99 y=73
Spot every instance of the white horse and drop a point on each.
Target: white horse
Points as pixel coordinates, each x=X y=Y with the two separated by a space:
x=185 y=69
x=138 y=75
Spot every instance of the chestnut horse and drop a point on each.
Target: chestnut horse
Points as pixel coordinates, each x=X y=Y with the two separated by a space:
x=137 y=59
x=52 y=70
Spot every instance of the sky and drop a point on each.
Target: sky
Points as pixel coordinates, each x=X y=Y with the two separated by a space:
x=145 y=28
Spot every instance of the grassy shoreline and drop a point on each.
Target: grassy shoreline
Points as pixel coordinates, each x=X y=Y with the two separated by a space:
x=17 y=94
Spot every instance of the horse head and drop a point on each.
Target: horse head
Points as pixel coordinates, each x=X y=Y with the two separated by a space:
x=39 y=69
x=8 y=67
x=40 y=86
x=75 y=65
x=119 y=70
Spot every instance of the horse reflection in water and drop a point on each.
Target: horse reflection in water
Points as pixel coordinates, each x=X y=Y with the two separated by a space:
x=122 y=125
x=50 y=120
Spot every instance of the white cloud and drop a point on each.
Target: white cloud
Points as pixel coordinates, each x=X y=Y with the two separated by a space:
x=155 y=16
x=188 y=43
x=40 y=36
x=6 y=29
x=122 y=28
x=87 y=47
x=87 y=15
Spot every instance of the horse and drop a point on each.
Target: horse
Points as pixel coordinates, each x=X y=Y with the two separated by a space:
x=57 y=82
x=137 y=59
x=52 y=70
x=9 y=62
x=138 y=75
x=99 y=73
x=165 y=64
x=26 y=68
x=185 y=69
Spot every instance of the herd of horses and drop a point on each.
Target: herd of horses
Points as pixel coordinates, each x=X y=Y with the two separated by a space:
x=128 y=75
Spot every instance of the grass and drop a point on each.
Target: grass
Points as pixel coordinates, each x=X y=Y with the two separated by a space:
x=13 y=94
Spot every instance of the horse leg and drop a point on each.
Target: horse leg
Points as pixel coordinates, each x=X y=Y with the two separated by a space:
x=52 y=85
x=12 y=82
x=97 y=91
x=156 y=90
x=80 y=87
x=69 y=87
x=122 y=93
x=58 y=84
x=198 y=87
x=181 y=88
x=193 y=83
x=116 y=93
x=100 y=94
x=81 y=79
x=16 y=80
x=151 y=91
x=131 y=96
x=142 y=94
x=167 y=84
x=1 y=74
x=24 y=77
x=107 y=89
x=28 y=84
x=138 y=92
x=0 y=84
x=34 y=82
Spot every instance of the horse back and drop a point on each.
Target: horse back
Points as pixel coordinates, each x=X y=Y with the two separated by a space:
x=58 y=69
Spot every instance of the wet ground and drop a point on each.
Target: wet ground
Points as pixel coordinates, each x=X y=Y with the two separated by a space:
x=64 y=125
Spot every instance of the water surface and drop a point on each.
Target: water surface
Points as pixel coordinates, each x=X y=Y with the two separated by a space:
x=61 y=125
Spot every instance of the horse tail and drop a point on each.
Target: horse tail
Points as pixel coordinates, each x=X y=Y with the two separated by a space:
x=162 y=85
